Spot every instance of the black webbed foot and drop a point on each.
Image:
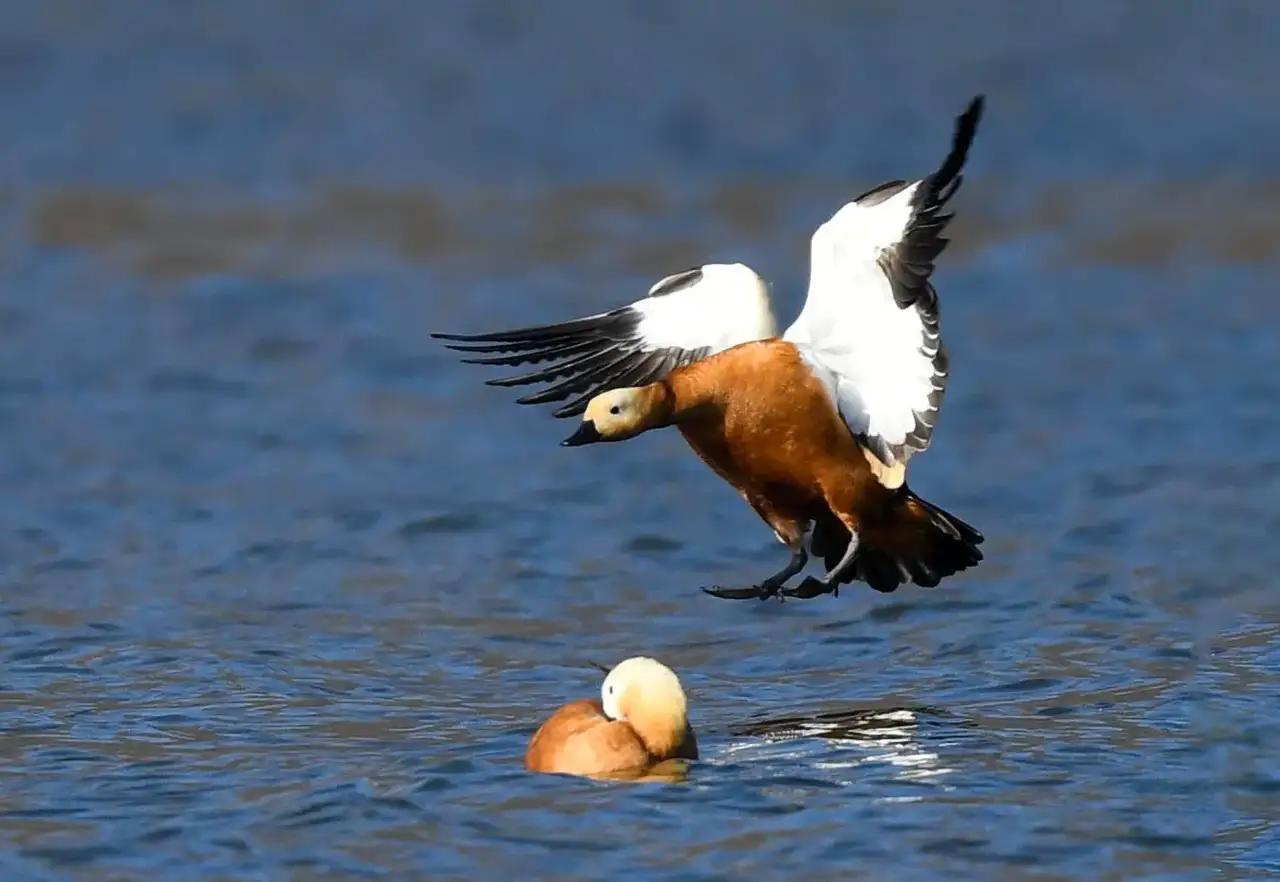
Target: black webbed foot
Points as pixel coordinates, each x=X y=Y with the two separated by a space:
x=810 y=588
x=755 y=592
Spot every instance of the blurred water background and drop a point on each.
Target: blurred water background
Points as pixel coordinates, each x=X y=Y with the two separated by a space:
x=284 y=589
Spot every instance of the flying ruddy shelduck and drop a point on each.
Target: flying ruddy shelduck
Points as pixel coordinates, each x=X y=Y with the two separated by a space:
x=814 y=429
x=640 y=722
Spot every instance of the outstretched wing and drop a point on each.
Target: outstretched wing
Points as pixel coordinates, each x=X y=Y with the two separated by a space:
x=869 y=326
x=687 y=316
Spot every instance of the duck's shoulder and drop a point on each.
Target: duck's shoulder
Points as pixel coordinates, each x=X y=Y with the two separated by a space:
x=578 y=739
x=747 y=360
x=575 y=715
x=761 y=353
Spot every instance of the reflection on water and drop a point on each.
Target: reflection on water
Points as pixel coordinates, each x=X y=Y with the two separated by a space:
x=284 y=590
x=863 y=738
x=666 y=772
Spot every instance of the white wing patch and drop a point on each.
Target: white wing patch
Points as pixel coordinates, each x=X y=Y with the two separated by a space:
x=876 y=357
x=869 y=327
x=727 y=305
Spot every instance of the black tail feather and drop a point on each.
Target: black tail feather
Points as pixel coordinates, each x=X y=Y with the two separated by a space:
x=919 y=543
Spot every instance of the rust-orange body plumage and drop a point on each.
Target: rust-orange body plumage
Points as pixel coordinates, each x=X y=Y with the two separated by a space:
x=640 y=722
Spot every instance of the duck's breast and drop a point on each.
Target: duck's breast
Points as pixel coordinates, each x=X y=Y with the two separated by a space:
x=774 y=426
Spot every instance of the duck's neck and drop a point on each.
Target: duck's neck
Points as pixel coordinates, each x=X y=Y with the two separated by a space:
x=687 y=394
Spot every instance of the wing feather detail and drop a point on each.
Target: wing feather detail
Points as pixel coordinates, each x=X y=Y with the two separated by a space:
x=870 y=325
x=687 y=316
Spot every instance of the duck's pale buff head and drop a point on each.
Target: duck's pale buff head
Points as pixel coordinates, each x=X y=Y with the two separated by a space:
x=647 y=694
x=620 y=414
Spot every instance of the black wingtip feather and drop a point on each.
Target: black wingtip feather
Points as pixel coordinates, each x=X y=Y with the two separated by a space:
x=966 y=128
x=608 y=364
x=523 y=346
x=512 y=356
x=575 y=366
x=567 y=351
x=618 y=321
x=638 y=370
x=580 y=358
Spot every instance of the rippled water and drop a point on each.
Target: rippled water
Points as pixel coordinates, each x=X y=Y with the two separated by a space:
x=285 y=589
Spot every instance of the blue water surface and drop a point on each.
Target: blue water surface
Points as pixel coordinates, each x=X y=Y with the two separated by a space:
x=284 y=588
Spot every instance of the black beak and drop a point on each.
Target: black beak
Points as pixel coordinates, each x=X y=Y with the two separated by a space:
x=586 y=434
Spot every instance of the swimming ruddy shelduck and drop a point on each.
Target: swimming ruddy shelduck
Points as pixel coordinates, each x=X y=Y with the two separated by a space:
x=641 y=720
x=814 y=429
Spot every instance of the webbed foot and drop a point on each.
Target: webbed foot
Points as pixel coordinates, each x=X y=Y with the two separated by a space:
x=755 y=592
x=810 y=588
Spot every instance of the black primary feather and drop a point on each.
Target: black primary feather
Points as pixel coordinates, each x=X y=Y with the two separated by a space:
x=580 y=358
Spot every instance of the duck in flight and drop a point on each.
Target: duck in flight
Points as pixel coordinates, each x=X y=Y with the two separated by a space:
x=814 y=428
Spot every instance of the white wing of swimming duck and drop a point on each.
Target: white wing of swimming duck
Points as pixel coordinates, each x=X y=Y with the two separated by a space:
x=686 y=317
x=869 y=327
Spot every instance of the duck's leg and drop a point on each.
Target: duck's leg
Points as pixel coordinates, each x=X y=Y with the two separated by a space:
x=790 y=533
x=830 y=582
x=799 y=557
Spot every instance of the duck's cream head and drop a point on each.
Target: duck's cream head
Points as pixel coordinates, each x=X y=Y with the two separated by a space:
x=620 y=414
x=647 y=694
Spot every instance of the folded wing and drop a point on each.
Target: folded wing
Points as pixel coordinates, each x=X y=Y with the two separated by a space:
x=687 y=316
x=869 y=326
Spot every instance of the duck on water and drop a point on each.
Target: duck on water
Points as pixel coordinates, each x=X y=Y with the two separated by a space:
x=814 y=429
x=640 y=723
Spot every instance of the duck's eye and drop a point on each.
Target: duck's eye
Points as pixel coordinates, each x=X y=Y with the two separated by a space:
x=610 y=690
x=615 y=410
